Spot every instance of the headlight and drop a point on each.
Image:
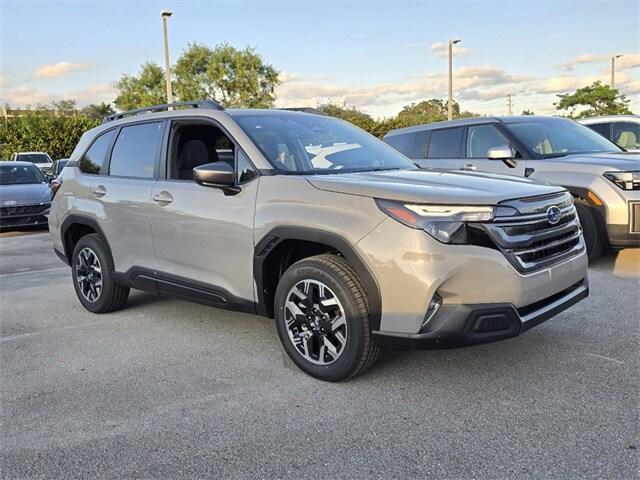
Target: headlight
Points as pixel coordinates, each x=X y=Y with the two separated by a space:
x=445 y=223
x=625 y=180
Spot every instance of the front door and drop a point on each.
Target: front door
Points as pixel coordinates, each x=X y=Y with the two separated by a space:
x=203 y=235
x=481 y=138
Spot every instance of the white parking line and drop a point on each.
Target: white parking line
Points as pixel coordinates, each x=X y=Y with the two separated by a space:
x=45 y=270
x=606 y=358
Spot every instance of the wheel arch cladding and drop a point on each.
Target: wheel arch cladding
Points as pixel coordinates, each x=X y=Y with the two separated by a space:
x=283 y=246
x=75 y=227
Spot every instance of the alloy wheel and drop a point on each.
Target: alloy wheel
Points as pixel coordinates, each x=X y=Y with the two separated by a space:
x=316 y=322
x=89 y=274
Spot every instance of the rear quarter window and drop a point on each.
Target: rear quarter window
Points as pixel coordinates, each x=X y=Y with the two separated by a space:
x=93 y=160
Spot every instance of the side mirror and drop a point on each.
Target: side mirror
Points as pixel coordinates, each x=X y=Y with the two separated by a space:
x=502 y=152
x=216 y=174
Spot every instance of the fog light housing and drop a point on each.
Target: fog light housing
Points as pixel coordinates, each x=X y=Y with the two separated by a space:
x=434 y=306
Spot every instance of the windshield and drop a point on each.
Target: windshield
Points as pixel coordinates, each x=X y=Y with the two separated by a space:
x=20 y=174
x=310 y=144
x=557 y=137
x=34 y=157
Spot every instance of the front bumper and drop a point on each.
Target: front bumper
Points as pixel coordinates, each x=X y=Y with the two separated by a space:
x=23 y=216
x=459 y=325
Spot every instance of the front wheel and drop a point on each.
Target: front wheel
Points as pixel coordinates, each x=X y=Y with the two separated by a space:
x=592 y=237
x=322 y=318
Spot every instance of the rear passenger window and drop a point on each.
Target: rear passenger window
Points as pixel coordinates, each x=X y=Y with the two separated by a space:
x=412 y=145
x=135 y=151
x=93 y=160
x=445 y=143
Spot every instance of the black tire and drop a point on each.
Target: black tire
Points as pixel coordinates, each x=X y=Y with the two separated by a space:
x=112 y=296
x=592 y=237
x=360 y=350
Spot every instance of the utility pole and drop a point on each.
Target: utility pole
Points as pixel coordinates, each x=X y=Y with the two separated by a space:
x=165 y=14
x=613 y=70
x=510 y=104
x=450 y=102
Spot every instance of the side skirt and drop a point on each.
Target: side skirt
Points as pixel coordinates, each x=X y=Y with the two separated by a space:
x=165 y=284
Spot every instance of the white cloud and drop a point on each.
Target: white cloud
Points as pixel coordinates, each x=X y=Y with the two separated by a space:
x=25 y=95
x=300 y=91
x=628 y=60
x=560 y=84
x=441 y=49
x=582 y=59
x=59 y=69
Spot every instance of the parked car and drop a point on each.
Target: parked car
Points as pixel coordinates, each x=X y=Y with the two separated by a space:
x=58 y=165
x=310 y=220
x=624 y=130
x=603 y=179
x=25 y=197
x=40 y=159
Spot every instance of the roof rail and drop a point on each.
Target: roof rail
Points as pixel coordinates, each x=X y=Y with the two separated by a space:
x=211 y=104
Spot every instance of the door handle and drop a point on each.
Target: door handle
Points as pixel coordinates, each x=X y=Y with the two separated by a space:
x=468 y=166
x=163 y=198
x=99 y=191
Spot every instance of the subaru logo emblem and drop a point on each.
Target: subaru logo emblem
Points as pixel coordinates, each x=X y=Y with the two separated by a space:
x=553 y=215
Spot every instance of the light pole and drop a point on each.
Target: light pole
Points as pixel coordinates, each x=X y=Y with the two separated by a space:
x=450 y=102
x=165 y=14
x=613 y=70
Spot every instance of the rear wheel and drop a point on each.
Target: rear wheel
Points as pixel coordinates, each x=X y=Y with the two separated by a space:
x=592 y=237
x=322 y=318
x=93 y=276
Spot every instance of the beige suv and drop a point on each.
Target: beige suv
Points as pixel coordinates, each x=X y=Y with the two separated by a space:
x=312 y=221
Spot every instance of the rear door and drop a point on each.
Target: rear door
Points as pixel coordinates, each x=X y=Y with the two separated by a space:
x=123 y=195
x=444 y=149
x=478 y=140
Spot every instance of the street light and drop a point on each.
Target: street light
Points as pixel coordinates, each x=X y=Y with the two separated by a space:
x=450 y=103
x=613 y=70
x=165 y=14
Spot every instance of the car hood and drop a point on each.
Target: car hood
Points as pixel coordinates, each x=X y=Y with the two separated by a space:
x=433 y=186
x=623 y=161
x=24 y=194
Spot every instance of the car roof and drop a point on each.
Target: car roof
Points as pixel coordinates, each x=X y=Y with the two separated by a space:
x=609 y=118
x=32 y=153
x=463 y=122
x=18 y=164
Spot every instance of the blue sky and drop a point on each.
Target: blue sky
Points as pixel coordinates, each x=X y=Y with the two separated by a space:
x=377 y=55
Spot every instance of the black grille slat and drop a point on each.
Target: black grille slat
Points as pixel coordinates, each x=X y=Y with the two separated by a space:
x=19 y=210
x=530 y=241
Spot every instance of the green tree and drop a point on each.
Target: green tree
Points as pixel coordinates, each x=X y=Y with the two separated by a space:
x=350 y=114
x=593 y=100
x=428 y=111
x=43 y=131
x=97 y=111
x=527 y=112
x=235 y=78
x=146 y=88
x=65 y=107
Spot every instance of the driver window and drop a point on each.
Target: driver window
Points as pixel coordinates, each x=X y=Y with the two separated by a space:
x=482 y=138
x=192 y=145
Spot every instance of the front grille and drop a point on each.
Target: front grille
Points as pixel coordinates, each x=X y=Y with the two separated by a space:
x=635 y=217
x=529 y=240
x=22 y=210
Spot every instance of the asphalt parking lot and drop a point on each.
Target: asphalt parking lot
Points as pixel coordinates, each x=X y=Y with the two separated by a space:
x=169 y=389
